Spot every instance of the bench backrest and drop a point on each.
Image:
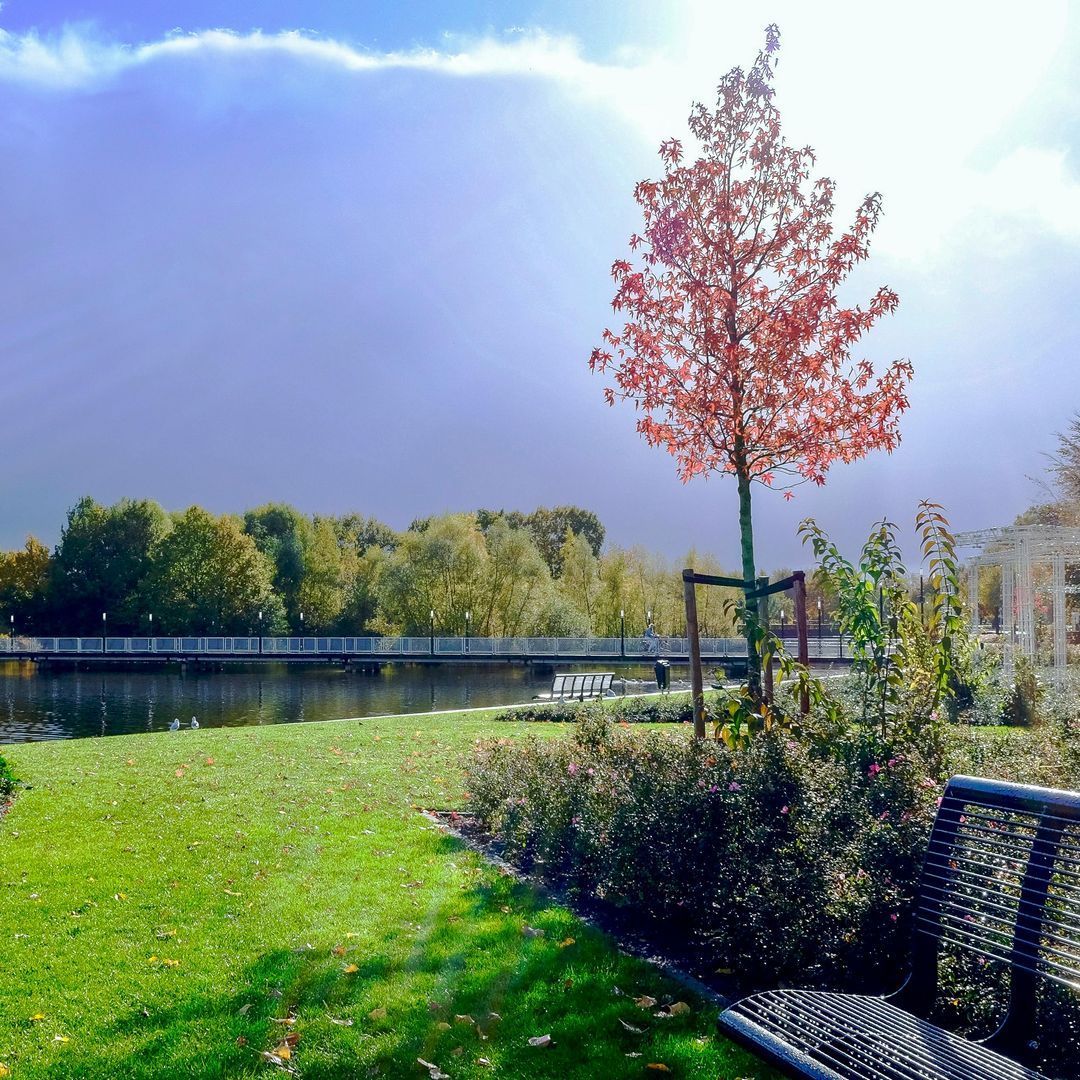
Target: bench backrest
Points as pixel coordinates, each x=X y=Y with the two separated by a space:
x=1002 y=876
x=592 y=684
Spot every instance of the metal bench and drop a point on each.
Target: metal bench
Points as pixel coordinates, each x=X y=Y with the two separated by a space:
x=582 y=686
x=1001 y=880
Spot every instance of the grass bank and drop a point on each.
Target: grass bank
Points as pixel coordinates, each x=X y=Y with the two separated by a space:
x=180 y=905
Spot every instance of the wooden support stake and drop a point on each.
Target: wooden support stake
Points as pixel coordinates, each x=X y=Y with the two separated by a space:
x=799 y=588
x=697 y=690
x=763 y=619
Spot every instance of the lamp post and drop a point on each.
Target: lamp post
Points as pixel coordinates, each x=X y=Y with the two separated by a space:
x=103 y=625
x=622 y=633
x=12 y=633
x=468 y=622
x=431 y=629
x=819 y=617
x=301 y=631
x=151 y=632
x=782 y=621
x=260 y=631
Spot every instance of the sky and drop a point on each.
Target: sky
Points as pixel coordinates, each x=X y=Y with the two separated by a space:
x=355 y=256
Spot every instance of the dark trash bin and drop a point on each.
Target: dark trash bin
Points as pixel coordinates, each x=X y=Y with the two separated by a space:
x=663 y=674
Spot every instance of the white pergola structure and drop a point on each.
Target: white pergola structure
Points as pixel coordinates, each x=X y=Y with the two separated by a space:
x=1016 y=549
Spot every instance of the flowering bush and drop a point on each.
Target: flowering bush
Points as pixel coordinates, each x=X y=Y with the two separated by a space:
x=777 y=861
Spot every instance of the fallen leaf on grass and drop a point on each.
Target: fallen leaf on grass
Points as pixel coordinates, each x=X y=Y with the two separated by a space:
x=677 y=1008
x=338 y=950
x=377 y=1013
x=463 y=1018
x=289 y=1020
x=531 y=931
x=630 y=1027
x=36 y=1017
x=433 y=1070
x=645 y=1002
x=657 y=1066
x=243 y=1010
x=345 y=1022
x=479 y=1061
x=273 y=1059
x=4 y=1071
x=229 y=892
x=567 y=941
x=442 y=1025
x=541 y=1040
x=61 y=1039
x=350 y=969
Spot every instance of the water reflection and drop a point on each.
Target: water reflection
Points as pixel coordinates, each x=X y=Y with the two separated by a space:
x=54 y=703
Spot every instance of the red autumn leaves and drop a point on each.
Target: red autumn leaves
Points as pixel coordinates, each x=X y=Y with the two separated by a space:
x=735 y=348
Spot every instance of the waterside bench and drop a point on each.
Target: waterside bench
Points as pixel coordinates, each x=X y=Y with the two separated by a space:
x=582 y=686
x=1001 y=880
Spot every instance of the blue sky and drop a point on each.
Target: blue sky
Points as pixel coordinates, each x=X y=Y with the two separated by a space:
x=355 y=256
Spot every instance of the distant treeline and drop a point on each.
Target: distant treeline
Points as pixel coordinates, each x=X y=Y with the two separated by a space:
x=275 y=570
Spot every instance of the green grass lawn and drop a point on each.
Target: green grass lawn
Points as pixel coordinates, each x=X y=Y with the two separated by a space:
x=175 y=905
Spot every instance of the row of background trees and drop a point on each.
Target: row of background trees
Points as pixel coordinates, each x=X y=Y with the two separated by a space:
x=275 y=570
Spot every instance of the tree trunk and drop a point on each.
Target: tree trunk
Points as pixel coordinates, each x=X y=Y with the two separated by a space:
x=749 y=573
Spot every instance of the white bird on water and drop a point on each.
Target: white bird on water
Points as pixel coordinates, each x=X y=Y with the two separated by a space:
x=194 y=724
x=175 y=725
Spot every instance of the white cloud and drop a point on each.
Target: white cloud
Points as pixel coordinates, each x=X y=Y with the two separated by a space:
x=905 y=103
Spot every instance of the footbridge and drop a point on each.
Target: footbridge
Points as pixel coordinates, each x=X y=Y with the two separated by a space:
x=429 y=649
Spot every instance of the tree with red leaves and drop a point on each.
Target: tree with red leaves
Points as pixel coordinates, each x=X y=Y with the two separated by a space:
x=735 y=348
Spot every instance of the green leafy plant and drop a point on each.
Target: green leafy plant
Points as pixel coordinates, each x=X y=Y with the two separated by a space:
x=910 y=666
x=739 y=715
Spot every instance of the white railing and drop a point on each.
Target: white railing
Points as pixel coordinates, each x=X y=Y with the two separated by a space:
x=562 y=648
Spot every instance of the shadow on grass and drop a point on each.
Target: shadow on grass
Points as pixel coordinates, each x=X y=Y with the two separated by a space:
x=495 y=947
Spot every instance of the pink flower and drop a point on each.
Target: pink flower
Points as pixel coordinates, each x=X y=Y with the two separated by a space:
x=733 y=786
x=893 y=918
x=884 y=816
x=873 y=770
x=713 y=788
x=571 y=768
x=783 y=809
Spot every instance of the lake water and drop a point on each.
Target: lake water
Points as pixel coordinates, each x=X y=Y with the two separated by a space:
x=49 y=702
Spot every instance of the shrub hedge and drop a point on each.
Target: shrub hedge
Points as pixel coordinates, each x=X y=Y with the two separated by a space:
x=792 y=861
x=666 y=709
x=7 y=779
